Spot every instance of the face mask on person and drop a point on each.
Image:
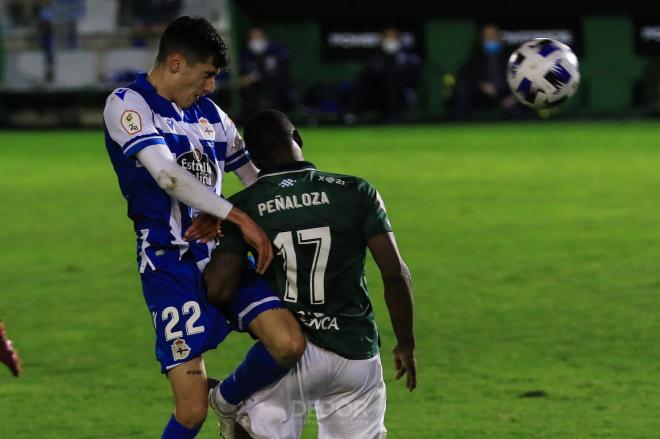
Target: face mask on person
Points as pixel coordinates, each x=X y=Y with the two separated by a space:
x=492 y=47
x=391 y=45
x=258 y=46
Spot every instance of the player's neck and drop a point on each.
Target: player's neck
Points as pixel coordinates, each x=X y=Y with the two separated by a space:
x=277 y=165
x=284 y=159
x=160 y=83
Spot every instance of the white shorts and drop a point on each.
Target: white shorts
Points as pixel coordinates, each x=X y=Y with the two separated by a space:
x=348 y=396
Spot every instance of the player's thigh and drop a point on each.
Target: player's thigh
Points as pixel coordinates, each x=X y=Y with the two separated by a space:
x=279 y=410
x=185 y=325
x=280 y=332
x=253 y=297
x=274 y=320
x=355 y=402
x=363 y=417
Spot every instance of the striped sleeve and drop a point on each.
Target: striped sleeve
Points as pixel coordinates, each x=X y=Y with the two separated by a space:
x=237 y=159
x=236 y=154
x=129 y=122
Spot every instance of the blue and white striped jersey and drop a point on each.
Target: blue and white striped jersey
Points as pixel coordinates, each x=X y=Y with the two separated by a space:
x=202 y=139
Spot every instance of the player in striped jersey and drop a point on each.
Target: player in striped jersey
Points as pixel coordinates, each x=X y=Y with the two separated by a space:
x=170 y=147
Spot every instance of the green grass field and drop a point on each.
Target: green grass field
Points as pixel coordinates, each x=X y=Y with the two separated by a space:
x=535 y=252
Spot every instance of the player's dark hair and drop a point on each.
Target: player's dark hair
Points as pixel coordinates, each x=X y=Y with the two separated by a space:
x=196 y=39
x=267 y=134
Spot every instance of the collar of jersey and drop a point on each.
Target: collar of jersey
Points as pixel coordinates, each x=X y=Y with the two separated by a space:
x=287 y=168
x=143 y=84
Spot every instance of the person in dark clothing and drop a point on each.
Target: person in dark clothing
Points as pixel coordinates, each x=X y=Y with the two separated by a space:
x=46 y=32
x=481 y=81
x=388 y=82
x=265 y=79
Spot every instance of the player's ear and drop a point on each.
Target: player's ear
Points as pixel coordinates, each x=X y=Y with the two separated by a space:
x=175 y=62
x=297 y=138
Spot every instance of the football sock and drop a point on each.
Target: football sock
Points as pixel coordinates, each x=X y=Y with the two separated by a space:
x=255 y=372
x=174 y=430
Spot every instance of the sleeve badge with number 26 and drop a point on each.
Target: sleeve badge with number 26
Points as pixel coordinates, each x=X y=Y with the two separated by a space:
x=131 y=122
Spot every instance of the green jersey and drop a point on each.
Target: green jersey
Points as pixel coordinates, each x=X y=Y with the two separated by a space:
x=319 y=224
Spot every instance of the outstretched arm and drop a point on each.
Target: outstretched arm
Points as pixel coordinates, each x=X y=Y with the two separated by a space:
x=398 y=297
x=183 y=186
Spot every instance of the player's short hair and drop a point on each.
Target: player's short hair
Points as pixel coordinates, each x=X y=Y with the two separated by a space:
x=267 y=132
x=196 y=39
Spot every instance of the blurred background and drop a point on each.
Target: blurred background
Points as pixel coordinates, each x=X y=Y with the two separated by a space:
x=534 y=246
x=335 y=62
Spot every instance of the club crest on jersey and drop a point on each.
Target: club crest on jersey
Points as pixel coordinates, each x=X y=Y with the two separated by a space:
x=206 y=128
x=198 y=163
x=180 y=350
x=236 y=145
x=131 y=122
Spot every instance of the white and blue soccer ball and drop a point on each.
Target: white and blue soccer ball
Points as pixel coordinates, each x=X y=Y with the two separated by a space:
x=543 y=73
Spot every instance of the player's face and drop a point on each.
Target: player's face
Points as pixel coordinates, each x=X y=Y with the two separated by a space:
x=194 y=80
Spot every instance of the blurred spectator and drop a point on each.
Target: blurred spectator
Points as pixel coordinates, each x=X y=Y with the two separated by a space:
x=481 y=81
x=389 y=79
x=265 y=80
x=46 y=32
x=19 y=13
x=69 y=12
x=150 y=17
x=329 y=101
x=61 y=15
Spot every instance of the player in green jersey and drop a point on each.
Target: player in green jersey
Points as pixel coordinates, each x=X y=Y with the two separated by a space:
x=321 y=225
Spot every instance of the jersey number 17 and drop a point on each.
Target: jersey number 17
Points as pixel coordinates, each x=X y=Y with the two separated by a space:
x=318 y=237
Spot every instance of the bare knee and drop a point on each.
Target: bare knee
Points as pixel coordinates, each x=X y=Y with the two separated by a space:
x=288 y=348
x=192 y=415
x=280 y=332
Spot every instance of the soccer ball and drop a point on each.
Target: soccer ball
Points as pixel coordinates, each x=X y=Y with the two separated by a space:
x=543 y=73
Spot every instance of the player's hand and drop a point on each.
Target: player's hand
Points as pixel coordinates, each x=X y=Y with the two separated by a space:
x=255 y=237
x=204 y=228
x=404 y=362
